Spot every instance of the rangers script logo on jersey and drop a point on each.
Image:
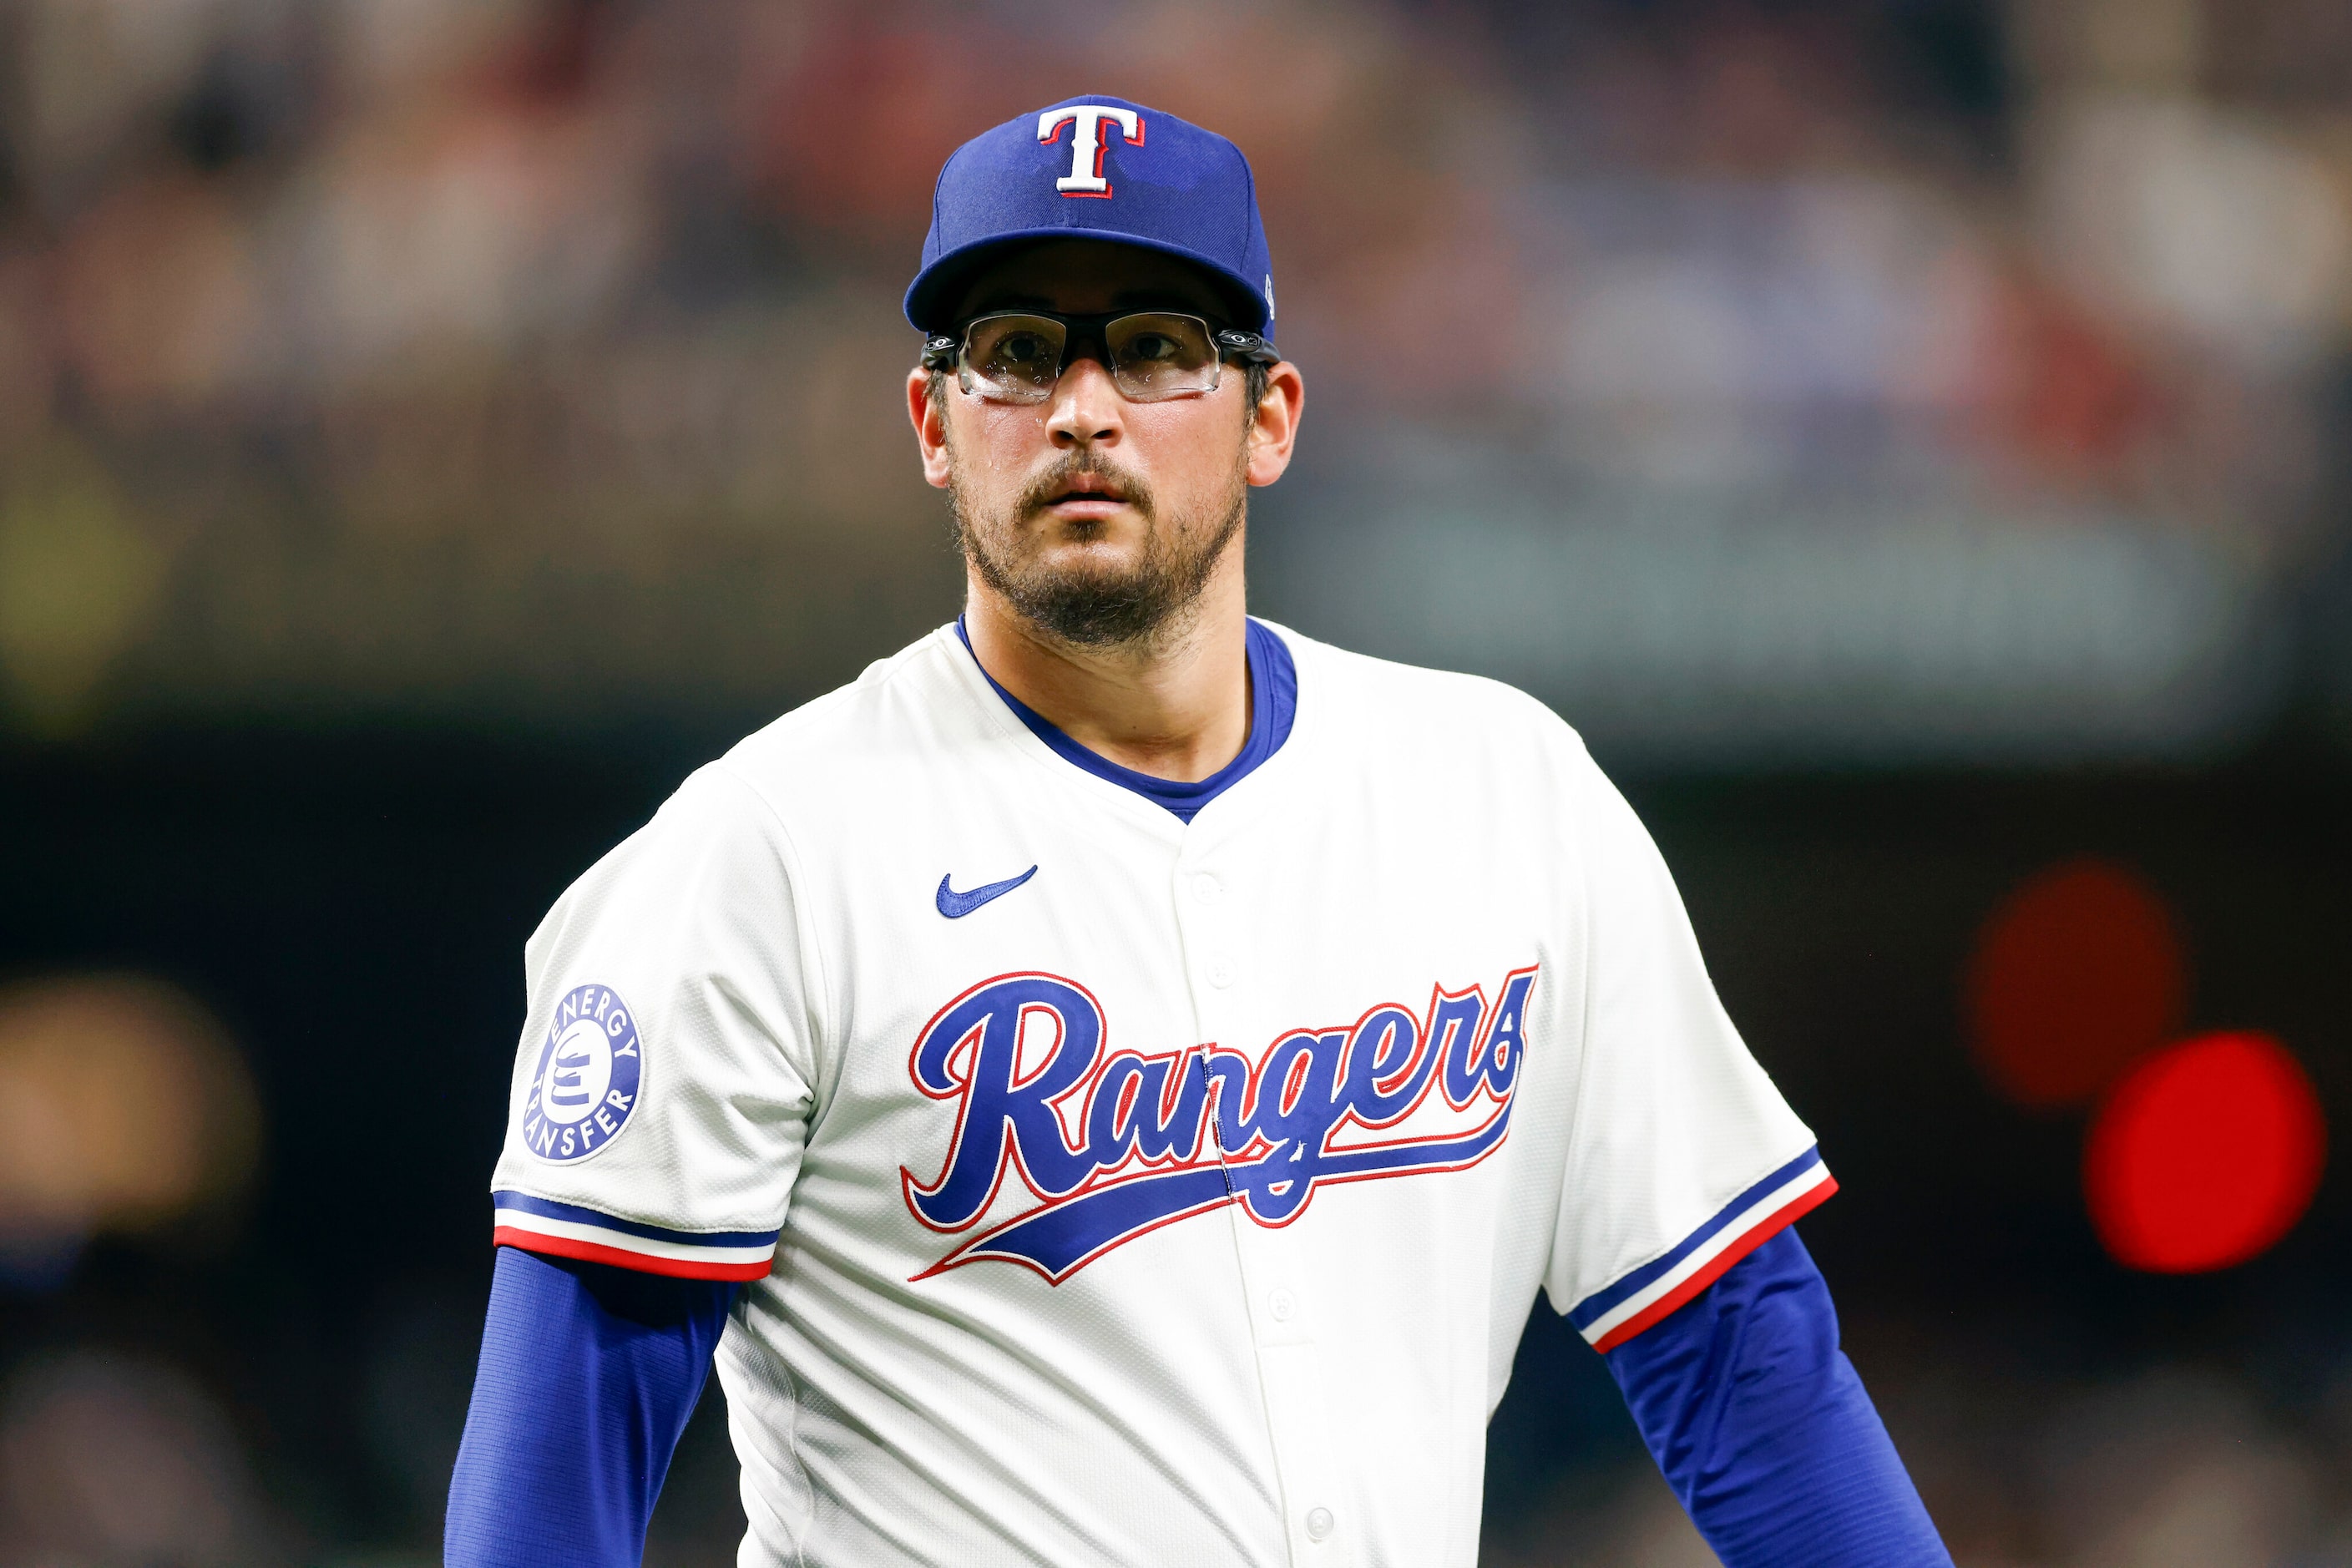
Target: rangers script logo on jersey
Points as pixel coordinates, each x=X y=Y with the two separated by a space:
x=1117 y=1144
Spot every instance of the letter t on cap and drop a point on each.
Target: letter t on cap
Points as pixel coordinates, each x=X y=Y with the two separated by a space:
x=1085 y=175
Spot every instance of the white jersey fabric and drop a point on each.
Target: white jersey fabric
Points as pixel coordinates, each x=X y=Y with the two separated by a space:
x=1181 y=1202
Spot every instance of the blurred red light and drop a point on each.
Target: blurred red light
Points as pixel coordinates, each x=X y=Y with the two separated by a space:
x=2077 y=973
x=2205 y=1155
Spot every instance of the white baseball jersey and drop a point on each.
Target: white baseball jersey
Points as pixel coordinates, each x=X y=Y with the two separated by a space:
x=1114 y=1190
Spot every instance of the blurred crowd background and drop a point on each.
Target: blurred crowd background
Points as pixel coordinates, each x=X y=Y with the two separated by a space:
x=1909 y=437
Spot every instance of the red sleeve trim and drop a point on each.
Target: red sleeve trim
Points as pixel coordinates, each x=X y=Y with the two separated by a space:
x=638 y=1262
x=1756 y=1236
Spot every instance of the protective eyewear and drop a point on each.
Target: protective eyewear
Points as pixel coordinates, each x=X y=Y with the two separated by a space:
x=1017 y=356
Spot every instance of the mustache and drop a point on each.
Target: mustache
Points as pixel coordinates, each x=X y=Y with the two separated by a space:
x=1056 y=477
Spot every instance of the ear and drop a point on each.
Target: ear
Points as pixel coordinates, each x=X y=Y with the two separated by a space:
x=931 y=418
x=1275 y=427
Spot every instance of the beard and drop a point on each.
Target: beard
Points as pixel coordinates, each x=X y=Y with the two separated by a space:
x=1088 y=606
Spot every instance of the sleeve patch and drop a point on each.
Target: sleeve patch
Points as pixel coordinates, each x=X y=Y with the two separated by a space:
x=566 y=1230
x=1611 y=1316
x=588 y=1079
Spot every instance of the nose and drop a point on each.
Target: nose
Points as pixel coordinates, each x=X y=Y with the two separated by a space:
x=1087 y=409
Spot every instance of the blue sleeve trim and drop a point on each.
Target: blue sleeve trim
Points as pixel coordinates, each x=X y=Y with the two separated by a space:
x=1763 y=1429
x=587 y=1377
x=1618 y=1311
x=549 y=1209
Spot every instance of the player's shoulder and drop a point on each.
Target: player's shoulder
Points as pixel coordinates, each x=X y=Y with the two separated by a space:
x=747 y=813
x=1487 y=744
x=748 y=793
x=904 y=713
x=1364 y=691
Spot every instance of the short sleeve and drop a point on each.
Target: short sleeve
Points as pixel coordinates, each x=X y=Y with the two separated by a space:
x=1682 y=1158
x=665 y=1082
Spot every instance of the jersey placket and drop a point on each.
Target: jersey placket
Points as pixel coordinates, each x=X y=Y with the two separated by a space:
x=1281 y=1304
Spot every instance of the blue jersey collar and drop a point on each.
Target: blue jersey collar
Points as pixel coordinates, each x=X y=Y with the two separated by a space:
x=1274 y=703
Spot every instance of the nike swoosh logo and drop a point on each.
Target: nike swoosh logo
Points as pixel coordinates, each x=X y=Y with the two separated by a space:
x=955 y=905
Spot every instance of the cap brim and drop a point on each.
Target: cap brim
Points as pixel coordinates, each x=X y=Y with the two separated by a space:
x=938 y=288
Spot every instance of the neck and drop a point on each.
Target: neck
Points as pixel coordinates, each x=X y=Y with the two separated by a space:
x=1176 y=706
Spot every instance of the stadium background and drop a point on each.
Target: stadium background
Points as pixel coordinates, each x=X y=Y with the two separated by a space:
x=1908 y=436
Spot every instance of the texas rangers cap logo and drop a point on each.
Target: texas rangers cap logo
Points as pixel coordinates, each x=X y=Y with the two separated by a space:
x=586 y=1086
x=1086 y=144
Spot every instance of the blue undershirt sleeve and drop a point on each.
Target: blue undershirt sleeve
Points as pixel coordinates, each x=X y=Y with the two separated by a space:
x=1763 y=1429
x=588 y=1375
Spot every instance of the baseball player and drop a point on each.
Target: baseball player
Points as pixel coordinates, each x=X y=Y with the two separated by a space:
x=1107 y=1086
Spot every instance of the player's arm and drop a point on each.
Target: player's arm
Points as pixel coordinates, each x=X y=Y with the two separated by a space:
x=1685 y=1170
x=1762 y=1428
x=660 y=1106
x=588 y=1376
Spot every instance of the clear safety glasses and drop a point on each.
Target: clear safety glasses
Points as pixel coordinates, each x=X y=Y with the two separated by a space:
x=1017 y=356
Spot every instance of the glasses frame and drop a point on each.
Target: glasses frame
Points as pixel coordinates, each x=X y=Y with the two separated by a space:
x=945 y=352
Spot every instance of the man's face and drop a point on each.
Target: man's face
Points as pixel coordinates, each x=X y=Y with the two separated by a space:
x=1099 y=520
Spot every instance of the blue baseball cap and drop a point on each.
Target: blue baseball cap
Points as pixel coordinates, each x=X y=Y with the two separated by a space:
x=1101 y=168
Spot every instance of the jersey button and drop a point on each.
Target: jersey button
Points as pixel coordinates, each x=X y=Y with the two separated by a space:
x=1207 y=889
x=1281 y=1306
x=1220 y=971
x=1319 y=1523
